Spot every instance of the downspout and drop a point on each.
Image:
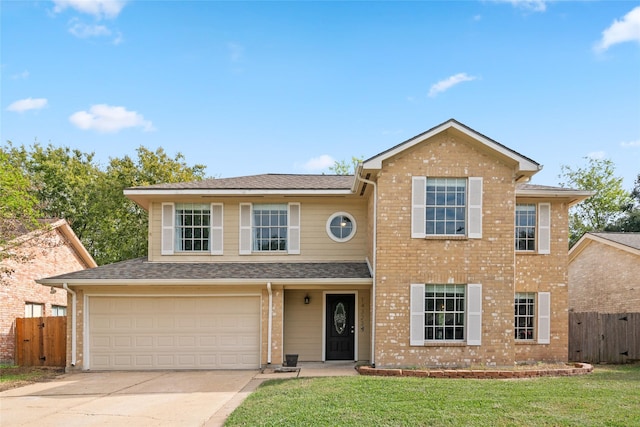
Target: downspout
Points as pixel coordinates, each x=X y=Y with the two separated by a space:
x=373 y=268
x=73 y=323
x=269 y=323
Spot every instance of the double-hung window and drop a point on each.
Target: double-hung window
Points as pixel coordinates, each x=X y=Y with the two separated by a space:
x=532 y=317
x=525 y=232
x=192 y=228
x=269 y=228
x=442 y=313
x=444 y=207
x=532 y=228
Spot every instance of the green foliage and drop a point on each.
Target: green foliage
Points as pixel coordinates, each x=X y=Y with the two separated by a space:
x=601 y=209
x=344 y=167
x=630 y=220
x=70 y=184
x=609 y=396
x=19 y=208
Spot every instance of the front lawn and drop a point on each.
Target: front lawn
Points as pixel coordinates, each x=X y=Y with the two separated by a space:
x=608 y=396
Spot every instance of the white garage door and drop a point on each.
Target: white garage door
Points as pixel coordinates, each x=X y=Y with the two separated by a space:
x=174 y=332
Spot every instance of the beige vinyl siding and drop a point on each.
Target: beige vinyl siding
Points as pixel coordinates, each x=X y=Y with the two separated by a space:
x=315 y=244
x=303 y=323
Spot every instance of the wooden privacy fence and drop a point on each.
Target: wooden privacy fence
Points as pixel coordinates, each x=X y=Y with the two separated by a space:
x=604 y=338
x=41 y=341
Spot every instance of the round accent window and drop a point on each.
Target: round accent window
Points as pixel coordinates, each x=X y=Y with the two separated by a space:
x=341 y=227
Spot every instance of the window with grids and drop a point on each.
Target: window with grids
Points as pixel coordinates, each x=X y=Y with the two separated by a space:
x=525 y=232
x=525 y=315
x=33 y=309
x=193 y=225
x=446 y=206
x=269 y=227
x=58 y=310
x=444 y=312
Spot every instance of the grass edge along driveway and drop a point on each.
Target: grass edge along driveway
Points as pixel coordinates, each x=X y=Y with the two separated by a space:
x=608 y=396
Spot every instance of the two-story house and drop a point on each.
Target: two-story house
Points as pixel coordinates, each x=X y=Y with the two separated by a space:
x=435 y=252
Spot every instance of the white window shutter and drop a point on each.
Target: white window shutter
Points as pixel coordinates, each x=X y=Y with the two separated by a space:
x=474 y=208
x=544 y=317
x=293 y=245
x=245 y=228
x=417 y=315
x=217 y=220
x=474 y=314
x=418 y=203
x=168 y=218
x=544 y=228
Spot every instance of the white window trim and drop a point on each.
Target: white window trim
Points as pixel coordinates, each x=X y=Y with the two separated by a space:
x=473 y=326
x=544 y=228
x=544 y=317
x=216 y=235
x=246 y=229
x=353 y=230
x=473 y=221
x=168 y=221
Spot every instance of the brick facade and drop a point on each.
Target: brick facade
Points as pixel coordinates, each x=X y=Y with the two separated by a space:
x=45 y=255
x=604 y=278
x=402 y=260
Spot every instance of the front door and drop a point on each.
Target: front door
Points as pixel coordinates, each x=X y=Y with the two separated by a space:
x=340 y=327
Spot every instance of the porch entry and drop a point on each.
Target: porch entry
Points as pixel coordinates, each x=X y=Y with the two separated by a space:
x=340 y=326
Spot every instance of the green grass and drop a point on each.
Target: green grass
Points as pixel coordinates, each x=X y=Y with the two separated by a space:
x=610 y=396
x=12 y=376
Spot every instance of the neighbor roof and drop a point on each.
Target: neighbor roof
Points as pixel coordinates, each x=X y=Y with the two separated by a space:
x=626 y=241
x=139 y=271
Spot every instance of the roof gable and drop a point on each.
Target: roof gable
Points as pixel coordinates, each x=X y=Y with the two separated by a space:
x=524 y=165
x=627 y=241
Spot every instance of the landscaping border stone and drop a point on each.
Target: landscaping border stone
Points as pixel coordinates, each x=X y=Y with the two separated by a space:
x=496 y=374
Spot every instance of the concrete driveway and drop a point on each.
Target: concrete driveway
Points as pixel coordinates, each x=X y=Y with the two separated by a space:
x=155 y=398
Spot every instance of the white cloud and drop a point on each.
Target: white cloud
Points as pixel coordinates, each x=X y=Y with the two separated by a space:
x=319 y=163
x=628 y=144
x=597 y=155
x=449 y=82
x=626 y=30
x=27 y=104
x=20 y=76
x=533 y=5
x=107 y=118
x=236 y=51
x=98 y=8
x=83 y=31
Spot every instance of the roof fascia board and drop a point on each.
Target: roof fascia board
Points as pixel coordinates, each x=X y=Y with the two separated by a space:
x=524 y=164
x=200 y=282
x=574 y=196
x=236 y=192
x=77 y=245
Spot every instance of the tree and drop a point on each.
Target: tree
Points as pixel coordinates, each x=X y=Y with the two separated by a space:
x=70 y=184
x=601 y=209
x=120 y=228
x=343 y=167
x=630 y=220
x=19 y=210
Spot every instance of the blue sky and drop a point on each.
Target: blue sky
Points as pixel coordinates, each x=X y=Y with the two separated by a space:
x=289 y=87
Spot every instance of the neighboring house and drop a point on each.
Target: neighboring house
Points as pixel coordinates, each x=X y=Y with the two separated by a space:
x=54 y=249
x=604 y=273
x=415 y=260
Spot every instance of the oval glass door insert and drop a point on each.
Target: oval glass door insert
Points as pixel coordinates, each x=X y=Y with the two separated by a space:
x=340 y=318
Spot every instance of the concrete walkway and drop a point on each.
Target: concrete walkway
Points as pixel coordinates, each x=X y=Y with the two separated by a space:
x=149 y=398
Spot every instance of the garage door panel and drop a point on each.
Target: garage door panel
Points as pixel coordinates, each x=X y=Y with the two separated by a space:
x=174 y=333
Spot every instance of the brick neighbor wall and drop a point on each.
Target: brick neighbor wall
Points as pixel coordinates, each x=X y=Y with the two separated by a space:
x=604 y=279
x=47 y=255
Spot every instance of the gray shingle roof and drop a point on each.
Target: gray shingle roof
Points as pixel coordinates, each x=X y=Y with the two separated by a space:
x=262 y=182
x=628 y=239
x=141 y=269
